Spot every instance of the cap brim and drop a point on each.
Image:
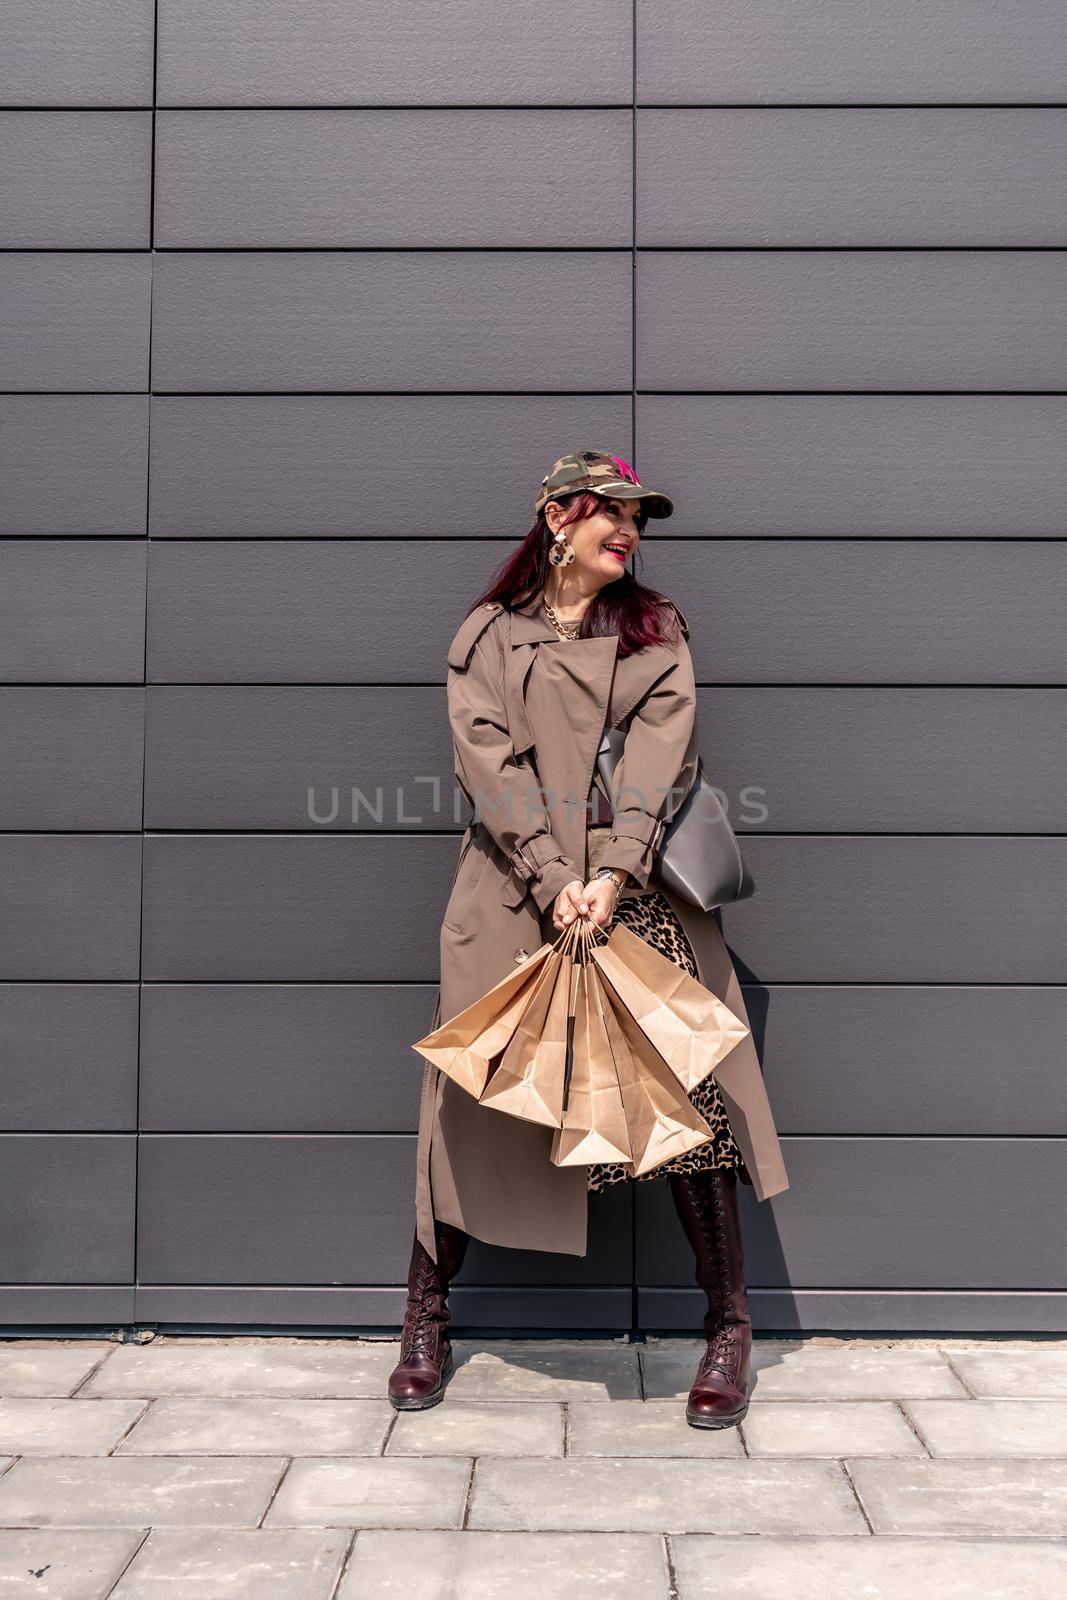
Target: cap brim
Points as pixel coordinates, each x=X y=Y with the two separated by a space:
x=659 y=505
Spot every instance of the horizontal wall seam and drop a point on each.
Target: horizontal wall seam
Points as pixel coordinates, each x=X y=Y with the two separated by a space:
x=436 y=107
x=362 y=983
x=287 y=1135
x=327 y=831
x=434 y=684
x=523 y=1288
x=521 y=394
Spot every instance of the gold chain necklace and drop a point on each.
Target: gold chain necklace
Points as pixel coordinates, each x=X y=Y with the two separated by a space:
x=566 y=630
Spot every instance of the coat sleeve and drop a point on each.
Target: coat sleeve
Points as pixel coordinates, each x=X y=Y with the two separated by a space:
x=503 y=788
x=657 y=768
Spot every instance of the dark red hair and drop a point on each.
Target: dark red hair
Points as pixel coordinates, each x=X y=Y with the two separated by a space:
x=636 y=613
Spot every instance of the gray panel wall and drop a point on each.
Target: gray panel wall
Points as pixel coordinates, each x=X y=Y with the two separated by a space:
x=301 y=304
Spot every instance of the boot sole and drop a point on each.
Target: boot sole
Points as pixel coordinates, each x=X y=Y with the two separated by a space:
x=423 y=1403
x=696 y=1421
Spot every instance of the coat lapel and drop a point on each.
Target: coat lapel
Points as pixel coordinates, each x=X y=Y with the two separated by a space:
x=584 y=669
x=566 y=754
x=529 y=627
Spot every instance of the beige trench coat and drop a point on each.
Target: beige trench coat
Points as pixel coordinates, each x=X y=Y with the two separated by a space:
x=477 y=1168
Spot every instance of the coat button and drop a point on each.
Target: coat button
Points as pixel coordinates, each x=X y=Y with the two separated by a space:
x=521 y=955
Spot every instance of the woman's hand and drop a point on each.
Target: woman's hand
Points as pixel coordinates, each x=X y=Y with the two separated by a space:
x=569 y=903
x=602 y=897
x=596 y=899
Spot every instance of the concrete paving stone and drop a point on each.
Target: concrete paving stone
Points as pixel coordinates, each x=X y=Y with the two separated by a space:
x=665 y=1496
x=27 y=1368
x=137 y=1492
x=518 y=1566
x=260 y=1425
x=1019 y=1341
x=966 y=1497
x=240 y=1564
x=467 y=1428
x=644 y=1428
x=50 y=1427
x=513 y=1369
x=998 y=1371
x=341 y=1370
x=864 y=1372
x=812 y=1372
x=831 y=1428
x=380 y=1493
x=875 y=1569
x=992 y=1427
x=63 y=1563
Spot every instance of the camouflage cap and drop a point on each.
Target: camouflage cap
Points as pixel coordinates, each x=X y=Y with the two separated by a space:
x=601 y=473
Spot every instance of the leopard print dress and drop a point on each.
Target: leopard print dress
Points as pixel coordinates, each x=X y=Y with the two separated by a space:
x=651 y=916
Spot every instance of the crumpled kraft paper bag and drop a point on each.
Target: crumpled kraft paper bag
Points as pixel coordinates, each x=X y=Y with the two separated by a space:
x=594 y=1115
x=661 y=1120
x=528 y=1080
x=465 y=1045
x=690 y=1027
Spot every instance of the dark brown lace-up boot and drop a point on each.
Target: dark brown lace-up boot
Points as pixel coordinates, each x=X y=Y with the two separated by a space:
x=418 y=1379
x=706 y=1202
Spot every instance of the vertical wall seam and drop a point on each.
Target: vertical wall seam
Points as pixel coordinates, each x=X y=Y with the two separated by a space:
x=633 y=232
x=144 y=669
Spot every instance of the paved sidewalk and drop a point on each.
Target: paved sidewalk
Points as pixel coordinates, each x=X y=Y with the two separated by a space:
x=274 y=1469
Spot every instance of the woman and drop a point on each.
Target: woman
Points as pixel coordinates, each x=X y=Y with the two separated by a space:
x=565 y=642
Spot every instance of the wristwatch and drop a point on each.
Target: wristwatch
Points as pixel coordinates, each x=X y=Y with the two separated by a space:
x=606 y=872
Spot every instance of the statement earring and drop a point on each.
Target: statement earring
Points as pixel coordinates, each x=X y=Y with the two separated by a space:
x=561 y=551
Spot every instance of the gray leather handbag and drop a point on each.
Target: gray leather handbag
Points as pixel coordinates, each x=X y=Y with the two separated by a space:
x=696 y=852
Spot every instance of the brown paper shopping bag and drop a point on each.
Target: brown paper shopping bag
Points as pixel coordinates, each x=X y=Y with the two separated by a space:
x=594 y=1115
x=690 y=1027
x=661 y=1120
x=527 y=1081
x=465 y=1046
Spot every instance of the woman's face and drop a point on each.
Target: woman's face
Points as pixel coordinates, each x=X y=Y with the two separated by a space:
x=602 y=543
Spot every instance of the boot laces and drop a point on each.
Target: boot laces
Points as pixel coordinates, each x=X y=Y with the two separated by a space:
x=421 y=1320
x=721 y=1353
x=712 y=1226
x=421 y=1335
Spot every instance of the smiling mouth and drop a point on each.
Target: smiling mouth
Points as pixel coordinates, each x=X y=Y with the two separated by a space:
x=619 y=550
